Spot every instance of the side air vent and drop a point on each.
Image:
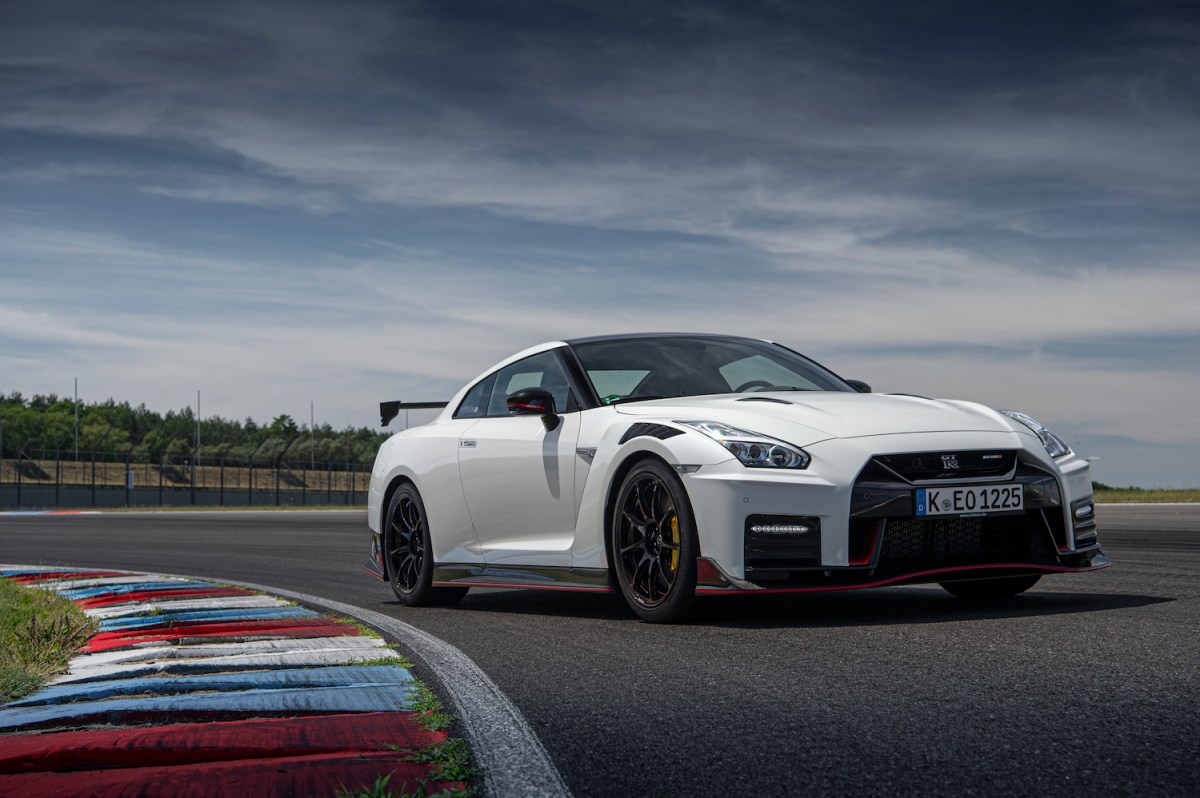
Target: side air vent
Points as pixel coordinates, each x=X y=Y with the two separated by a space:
x=645 y=430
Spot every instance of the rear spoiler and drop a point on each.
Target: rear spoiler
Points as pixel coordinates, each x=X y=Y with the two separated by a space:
x=389 y=410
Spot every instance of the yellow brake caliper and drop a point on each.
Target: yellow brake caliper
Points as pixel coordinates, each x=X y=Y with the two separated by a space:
x=675 y=540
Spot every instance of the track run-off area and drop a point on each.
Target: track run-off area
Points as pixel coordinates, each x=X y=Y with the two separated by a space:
x=1087 y=684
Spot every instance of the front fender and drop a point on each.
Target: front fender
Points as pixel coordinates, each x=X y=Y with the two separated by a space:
x=613 y=459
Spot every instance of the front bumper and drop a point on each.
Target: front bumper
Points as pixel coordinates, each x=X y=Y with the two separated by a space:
x=861 y=529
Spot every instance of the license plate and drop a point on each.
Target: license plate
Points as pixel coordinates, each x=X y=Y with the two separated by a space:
x=970 y=500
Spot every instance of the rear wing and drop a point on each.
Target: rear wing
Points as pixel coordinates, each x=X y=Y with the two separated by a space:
x=389 y=410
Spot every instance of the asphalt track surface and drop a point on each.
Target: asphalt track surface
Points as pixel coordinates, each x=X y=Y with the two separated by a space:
x=1088 y=684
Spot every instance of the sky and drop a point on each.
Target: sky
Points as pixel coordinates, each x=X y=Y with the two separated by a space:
x=337 y=203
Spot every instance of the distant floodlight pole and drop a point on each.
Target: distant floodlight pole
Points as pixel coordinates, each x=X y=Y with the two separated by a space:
x=77 y=418
x=312 y=441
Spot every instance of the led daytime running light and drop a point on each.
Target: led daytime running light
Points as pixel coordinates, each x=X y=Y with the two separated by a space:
x=780 y=529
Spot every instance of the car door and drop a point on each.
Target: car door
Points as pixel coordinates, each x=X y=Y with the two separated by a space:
x=518 y=478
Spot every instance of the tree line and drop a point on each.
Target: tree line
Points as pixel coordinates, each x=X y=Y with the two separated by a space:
x=47 y=424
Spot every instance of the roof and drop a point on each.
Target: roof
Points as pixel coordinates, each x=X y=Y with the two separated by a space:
x=634 y=336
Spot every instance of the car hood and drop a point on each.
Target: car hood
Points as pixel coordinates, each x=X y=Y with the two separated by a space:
x=808 y=417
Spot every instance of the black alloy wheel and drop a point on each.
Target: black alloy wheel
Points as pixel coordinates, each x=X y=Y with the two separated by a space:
x=654 y=543
x=408 y=552
x=1000 y=587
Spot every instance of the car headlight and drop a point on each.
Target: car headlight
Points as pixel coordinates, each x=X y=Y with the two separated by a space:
x=752 y=449
x=1055 y=445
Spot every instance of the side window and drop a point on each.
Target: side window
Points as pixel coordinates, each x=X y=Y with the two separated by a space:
x=542 y=370
x=474 y=404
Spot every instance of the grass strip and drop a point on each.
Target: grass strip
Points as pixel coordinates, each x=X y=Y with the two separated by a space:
x=39 y=633
x=1109 y=495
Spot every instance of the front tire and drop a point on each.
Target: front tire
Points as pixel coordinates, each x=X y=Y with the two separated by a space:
x=654 y=543
x=1003 y=587
x=408 y=553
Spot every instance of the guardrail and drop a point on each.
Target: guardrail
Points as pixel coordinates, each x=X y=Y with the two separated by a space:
x=111 y=479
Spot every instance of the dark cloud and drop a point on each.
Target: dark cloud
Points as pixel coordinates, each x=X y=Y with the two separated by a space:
x=1009 y=184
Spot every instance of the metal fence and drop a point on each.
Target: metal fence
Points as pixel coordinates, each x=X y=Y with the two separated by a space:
x=41 y=479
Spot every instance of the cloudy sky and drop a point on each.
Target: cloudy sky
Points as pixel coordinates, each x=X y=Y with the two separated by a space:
x=283 y=202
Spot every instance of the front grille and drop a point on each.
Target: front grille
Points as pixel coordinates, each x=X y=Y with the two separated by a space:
x=955 y=539
x=922 y=466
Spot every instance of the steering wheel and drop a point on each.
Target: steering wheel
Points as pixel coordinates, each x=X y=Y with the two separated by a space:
x=752 y=384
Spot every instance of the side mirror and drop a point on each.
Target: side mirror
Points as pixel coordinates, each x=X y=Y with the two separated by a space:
x=534 y=402
x=859 y=386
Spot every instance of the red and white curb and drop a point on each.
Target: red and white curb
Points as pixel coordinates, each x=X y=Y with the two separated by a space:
x=192 y=688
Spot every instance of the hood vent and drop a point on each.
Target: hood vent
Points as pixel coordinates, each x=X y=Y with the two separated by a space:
x=766 y=399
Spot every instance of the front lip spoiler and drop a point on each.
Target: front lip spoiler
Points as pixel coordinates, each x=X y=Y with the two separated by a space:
x=1098 y=562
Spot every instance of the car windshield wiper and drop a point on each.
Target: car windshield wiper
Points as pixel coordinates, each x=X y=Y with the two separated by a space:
x=624 y=399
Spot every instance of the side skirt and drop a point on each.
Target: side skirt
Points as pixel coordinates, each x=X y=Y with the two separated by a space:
x=590 y=580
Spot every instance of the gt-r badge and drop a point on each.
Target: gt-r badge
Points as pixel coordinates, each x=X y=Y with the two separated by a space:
x=949 y=461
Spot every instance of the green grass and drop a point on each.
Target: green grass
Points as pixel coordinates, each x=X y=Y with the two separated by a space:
x=433 y=715
x=1107 y=494
x=451 y=761
x=39 y=633
x=402 y=662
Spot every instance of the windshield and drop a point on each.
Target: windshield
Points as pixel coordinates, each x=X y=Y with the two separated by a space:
x=652 y=368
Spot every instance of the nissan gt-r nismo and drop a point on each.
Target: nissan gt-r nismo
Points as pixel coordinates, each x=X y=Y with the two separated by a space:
x=669 y=466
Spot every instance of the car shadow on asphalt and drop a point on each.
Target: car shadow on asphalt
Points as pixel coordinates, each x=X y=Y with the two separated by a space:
x=912 y=605
x=880 y=606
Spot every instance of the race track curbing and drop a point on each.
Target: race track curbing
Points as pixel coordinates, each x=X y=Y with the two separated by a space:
x=192 y=688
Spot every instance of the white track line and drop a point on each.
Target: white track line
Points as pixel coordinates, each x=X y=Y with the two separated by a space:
x=513 y=759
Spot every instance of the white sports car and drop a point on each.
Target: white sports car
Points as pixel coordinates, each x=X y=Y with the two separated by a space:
x=668 y=466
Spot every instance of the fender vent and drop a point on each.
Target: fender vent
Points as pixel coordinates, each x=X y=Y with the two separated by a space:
x=646 y=430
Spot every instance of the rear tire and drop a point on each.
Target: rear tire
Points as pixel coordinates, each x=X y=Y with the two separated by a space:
x=1002 y=587
x=408 y=553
